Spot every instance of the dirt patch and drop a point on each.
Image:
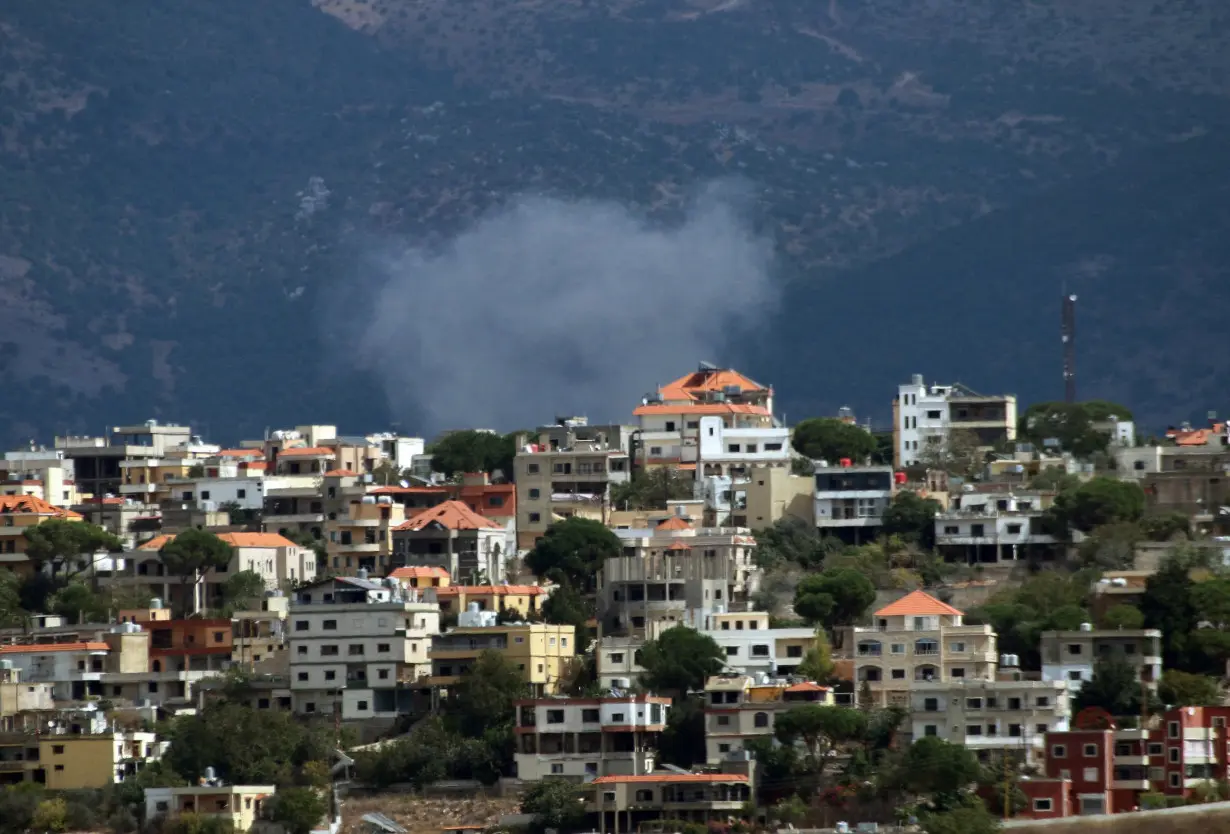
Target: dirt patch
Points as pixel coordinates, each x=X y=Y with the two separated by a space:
x=427 y=816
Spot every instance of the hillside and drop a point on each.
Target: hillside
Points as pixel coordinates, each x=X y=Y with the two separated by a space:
x=191 y=191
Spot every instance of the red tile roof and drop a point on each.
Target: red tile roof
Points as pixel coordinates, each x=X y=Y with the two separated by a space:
x=674 y=523
x=917 y=604
x=694 y=384
x=341 y=473
x=233 y=539
x=33 y=505
x=495 y=590
x=308 y=451
x=31 y=648
x=668 y=776
x=454 y=515
x=701 y=409
x=807 y=686
x=678 y=546
x=419 y=573
x=240 y=453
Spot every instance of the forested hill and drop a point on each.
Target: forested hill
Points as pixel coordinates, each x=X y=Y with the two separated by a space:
x=183 y=185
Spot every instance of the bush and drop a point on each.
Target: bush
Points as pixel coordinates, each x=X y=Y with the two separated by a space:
x=1175 y=801
x=1152 y=801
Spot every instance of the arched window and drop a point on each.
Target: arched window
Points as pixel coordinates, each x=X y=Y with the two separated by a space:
x=870 y=673
x=761 y=719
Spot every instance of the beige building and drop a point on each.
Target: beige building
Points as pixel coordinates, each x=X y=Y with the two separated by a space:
x=241 y=805
x=774 y=493
x=558 y=479
x=259 y=644
x=1071 y=656
x=623 y=803
x=96 y=460
x=919 y=639
x=582 y=738
x=18 y=696
x=362 y=537
x=541 y=651
x=741 y=708
x=453 y=537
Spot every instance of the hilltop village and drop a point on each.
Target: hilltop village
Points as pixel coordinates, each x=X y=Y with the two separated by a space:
x=701 y=619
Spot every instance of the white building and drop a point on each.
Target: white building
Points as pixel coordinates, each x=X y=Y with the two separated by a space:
x=353 y=641
x=399 y=451
x=1071 y=656
x=925 y=415
x=1004 y=716
x=579 y=739
x=850 y=500
x=994 y=527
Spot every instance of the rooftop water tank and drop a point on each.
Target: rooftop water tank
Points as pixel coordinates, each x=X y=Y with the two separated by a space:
x=155 y=604
x=1086 y=626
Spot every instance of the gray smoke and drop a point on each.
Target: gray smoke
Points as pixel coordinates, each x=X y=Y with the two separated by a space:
x=553 y=307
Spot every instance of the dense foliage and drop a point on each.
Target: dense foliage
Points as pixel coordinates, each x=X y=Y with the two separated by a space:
x=572 y=551
x=831 y=440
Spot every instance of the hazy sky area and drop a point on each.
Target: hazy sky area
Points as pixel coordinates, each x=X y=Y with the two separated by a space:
x=561 y=307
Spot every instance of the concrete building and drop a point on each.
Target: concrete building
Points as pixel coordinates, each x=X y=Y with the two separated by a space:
x=420 y=579
x=520 y=600
x=558 y=480
x=44 y=473
x=96 y=460
x=91 y=759
x=1070 y=656
x=925 y=416
x=19 y=513
x=452 y=536
x=775 y=492
x=623 y=803
x=983 y=526
x=993 y=718
x=742 y=708
x=361 y=537
x=665 y=572
x=579 y=739
x=355 y=644
x=850 y=500
x=240 y=805
x=541 y=651
x=918 y=638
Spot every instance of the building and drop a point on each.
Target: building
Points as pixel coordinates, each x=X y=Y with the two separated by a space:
x=918 y=639
x=1071 y=656
x=520 y=600
x=259 y=637
x=557 y=480
x=993 y=718
x=97 y=460
x=985 y=526
x=86 y=760
x=622 y=803
x=43 y=473
x=1111 y=768
x=775 y=493
x=542 y=652
x=241 y=805
x=19 y=696
x=361 y=536
x=453 y=537
x=924 y=418
x=421 y=578
x=675 y=568
x=19 y=513
x=356 y=646
x=850 y=500
x=743 y=708
x=579 y=739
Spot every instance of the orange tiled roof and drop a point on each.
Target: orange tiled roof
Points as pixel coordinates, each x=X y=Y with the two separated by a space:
x=668 y=776
x=697 y=382
x=678 y=546
x=55 y=647
x=453 y=515
x=341 y=473
x=807 y=686
x=240 y=453
x=233 y=539
x=309 y=451
x=496 y=590
x=701 y=409
x=419 y=573
x=411 y=490
x=917 y=604
x=33 y=505
x=1196 y=437
x=675 y=522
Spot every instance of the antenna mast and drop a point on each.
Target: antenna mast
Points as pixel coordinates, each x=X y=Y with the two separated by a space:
x=1069 y=347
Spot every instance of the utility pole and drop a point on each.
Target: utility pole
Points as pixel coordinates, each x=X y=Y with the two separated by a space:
x=1069 y=347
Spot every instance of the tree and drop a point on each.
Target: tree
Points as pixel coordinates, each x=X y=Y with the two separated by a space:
x=938 y=772
x=820 y=728
x=1165 y=526
x=1122 y=616
x=1111 y=546
x=566 y=606
x=572 y=551
x=911 y=516
x=474 y=451
x=1184 y=689
x=817 y=662
x=957 y=454
x=971 y=817
x=1054 y=479
x=67 y=547
x=834 y=597
x=682 y=742
x=1115 y=687
x=555 y=804
x=680 y=660
x=792 y=540
x=12 y=615
x=1098 y=501
x=1167 y=605
x=299 y=810
x=243 y=591
x=652 y=488
x=830 y=439
x=1071 y=424
x=191 y=554
x=50 y=815
x=77 y=602
x=1047 y=601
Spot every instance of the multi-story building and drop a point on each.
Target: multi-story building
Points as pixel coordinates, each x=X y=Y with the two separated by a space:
x=541 y=651
x=775 y=493
x=850 y=500
x=88 y=760
x=240 y=805
x=925 y=416
x=742 y=708
x=582 y=738
x=19 y=696
x=919 y=638
x=673 y=569
x=452 y=536
x=1107 y=769
x=259 y=642
x=96 y=460
x=993 y=718
x=420 y=579
x=1071 y=656
x=519 y=600
x=497 y=502
x=361 y=537
x=19 y=513
x=981 y=525
x=557 y=480
x=623 y=803
x=44 y=473
x=355 y=645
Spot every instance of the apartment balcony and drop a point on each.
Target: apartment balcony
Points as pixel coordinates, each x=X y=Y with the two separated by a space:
x=969 y=657
x=138 y=489
x=294 y=518
x=1132 y=784
x=1131 y=761
x=356 y=547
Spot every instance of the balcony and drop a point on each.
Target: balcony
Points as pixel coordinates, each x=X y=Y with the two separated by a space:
x=1131 y=784
x=294 y=518
x=356 y=547
x=1131 y=761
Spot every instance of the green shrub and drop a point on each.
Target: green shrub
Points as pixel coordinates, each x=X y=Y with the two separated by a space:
x=1175 y=801
x=1152 y=801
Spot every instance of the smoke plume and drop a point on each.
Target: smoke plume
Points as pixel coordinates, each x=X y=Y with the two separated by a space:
x=550 y=307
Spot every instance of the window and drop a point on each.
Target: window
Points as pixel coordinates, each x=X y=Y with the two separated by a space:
x=1174 y=755
x=617 y=657
x=655 y=451
x=723 y=748
x=383 y=648
x=973 y=729
x=1059 y=751
x=761 y=719
x=59 y=767
x=354 y=648
x=644 y=796
x=1074 y=648
x=608 y=796
x=301 y=625
x=723 y=721
x=956 y=647
x=760 y=651
x=1172 y=729
x=929 y=730
x=1014 y=703
x=1042 y=805
x=590 y=716
x=1156 y=750
x=973 y=703
x=383 y=674
x=1043 y=701
x=241 y=493
x=931 y=705
x=325 y=651
x=1014 y=529
x=329 y=625
x=958 y=672
x=1174 y=779
x=897 y=648
x=1041 y=729
x=732 y=651
x=898 y=674
x=302 y=652
x=1074 y=675
x=1090 y=750
x=1091 y=774
x=57 y=749
x=1157 y=774
x=617 y=718
x=1014 y=730
x=794 y=651
x=555 y=716
x=532 y=468
x=535 y=518
x=330 y=675
x=303 y=676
